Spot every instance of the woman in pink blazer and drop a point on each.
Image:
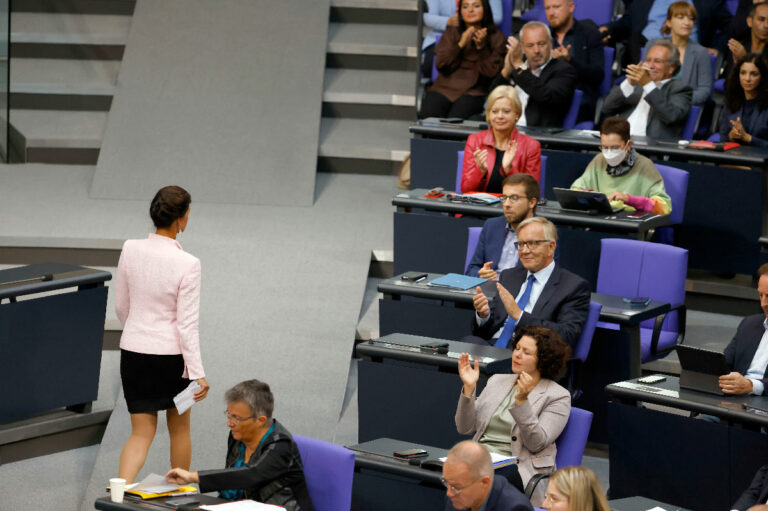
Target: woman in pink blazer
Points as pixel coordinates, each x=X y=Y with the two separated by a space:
x=493 y=154
x=158 y=302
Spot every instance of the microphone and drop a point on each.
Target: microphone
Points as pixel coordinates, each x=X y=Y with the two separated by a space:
x=42 y=278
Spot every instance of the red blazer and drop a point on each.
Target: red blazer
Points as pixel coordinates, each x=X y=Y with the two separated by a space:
x=527 y=159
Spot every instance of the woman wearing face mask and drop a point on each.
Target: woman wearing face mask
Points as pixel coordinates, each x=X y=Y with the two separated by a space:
x=519 y=414
x=745 y=119
x=627 y=178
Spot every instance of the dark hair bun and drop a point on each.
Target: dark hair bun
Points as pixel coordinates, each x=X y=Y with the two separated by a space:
x=169 y=204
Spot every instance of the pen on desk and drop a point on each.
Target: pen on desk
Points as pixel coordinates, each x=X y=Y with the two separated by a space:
x=419 y=279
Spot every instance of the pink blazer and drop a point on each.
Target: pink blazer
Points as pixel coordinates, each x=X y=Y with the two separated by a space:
x=158 y=300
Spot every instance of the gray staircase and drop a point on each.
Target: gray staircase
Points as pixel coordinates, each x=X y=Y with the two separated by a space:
x=369 y=96
x=65 y=59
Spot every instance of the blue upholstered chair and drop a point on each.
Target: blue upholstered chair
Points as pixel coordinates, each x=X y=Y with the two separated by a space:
x=640 y=268
x=328 y=469
x=691 y=122
x=676 y=184
x=460 y=171
x=472 y=236
x=507 y=6
x=573 y=111
x=570 y=445
x=581 y=350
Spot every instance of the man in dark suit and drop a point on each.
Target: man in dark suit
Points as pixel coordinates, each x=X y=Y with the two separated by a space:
x=545 y=85
x=538 y=292
x=712 y=15
x=496 y=249
x=755 y=497
x=579 y=43
x=747 y=353
x=470 y=482
x=655 y=104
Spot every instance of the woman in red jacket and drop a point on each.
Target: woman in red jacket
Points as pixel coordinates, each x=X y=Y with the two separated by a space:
x=494 y=154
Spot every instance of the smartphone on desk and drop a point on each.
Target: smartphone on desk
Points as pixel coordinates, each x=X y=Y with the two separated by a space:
x=410 y=453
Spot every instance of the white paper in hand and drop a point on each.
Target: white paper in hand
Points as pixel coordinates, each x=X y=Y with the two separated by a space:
x=186 y=398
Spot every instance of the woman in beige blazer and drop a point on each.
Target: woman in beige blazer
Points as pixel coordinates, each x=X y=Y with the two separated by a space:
x=523 y=413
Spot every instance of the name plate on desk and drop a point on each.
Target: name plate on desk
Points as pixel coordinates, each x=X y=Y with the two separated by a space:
x=647 y=388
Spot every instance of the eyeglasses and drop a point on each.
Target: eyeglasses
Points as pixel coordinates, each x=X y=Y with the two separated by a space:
x=513 y=198
x=237 y=420
x=519 y=245
x=455 y=490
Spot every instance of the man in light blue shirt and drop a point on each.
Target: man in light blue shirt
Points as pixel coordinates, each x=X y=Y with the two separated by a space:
x=747 y=353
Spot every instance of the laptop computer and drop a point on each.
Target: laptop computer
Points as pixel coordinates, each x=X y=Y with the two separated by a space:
x=701 y=369
x=582 y=200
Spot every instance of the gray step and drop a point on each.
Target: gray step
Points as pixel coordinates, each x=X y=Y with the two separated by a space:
x=367 y=139
x=68 y=36
x=69 y=28
x=395 y=88
x=55 y=84
x=372 y=39
x=75 y=6
x=395 y=5
x=52 y=136
x=395 y=12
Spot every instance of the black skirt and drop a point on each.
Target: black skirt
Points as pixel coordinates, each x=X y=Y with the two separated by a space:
x=150 y=382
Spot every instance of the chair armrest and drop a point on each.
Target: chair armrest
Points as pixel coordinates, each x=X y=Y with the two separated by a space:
x=533 y=482
x=681 y=315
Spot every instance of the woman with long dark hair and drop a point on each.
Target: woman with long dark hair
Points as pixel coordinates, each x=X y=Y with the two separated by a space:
x=157 y=300
x=468 y=57
x=745 y=118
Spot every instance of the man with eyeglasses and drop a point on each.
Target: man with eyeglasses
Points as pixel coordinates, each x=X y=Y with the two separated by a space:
x=655 y=104
x=495 y=250
x=471 y=484
x=538 y=292
x=628 y=179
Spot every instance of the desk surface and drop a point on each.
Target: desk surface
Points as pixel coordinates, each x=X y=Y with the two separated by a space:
x=407 y=347
x=619 y=222
x=64 y=275
x=377 y=455
x=669 y=393
x=640 y=504
x=579 y=140
x=614 y=310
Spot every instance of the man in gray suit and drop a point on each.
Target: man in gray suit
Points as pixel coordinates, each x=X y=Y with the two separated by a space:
x=655 y=105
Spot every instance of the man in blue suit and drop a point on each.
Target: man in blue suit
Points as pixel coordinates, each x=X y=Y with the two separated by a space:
x=495 y=249
x=471 y=484
x=747 y=353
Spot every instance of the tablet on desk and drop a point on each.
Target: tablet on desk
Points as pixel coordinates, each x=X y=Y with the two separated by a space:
x=583 y=200
x=701 y=369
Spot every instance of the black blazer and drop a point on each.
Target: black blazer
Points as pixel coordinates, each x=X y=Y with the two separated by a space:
x=742 y=348
x=712 y=15
x=550 y=94
x=562 y=306
x=502 y=497
x=669 y=107
x=757 y=493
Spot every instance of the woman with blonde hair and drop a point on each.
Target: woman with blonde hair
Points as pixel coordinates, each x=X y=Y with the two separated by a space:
x=575 y=488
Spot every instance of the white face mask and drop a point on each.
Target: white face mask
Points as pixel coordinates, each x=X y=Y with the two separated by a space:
x=614 y=156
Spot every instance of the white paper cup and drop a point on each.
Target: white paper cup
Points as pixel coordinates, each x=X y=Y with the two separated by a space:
x=116 y=489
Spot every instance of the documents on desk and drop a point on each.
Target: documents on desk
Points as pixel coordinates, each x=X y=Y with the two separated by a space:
x=242 y=505
x=457 y=281
x=155 y=486
x=647 y=388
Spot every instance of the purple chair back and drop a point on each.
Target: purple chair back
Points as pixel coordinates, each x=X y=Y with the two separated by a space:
x=599 y=11
x=640 y=268
x=690 y=123
x=581 y=351
x=715 y=137
x=459 y=171
x=570 y=118
x=732 y=5
x=535 y=14
x=507 y=6
x=676 y=184
x=573 y=439
x=434 y=60
x=605 y=85
x=472 y=236
x=328 y=469
x=543 y=177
